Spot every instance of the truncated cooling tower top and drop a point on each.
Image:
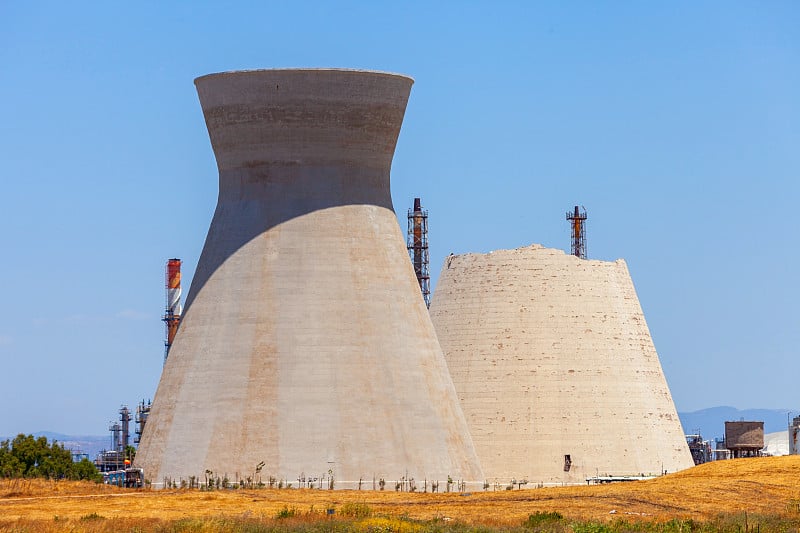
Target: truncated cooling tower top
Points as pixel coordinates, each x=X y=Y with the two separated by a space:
x=555 y=367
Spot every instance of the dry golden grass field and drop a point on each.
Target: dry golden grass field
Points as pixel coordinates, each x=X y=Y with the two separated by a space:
x=767 y=486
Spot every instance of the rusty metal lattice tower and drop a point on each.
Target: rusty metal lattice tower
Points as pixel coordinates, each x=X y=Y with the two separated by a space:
x=418 y=248
x=577 y=219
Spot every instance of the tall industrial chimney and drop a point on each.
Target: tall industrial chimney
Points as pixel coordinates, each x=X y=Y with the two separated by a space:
x=125 y=419
x=304 y=343
x=172 y=316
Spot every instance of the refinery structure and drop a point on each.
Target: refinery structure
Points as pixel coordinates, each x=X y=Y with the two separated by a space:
x=306 y=351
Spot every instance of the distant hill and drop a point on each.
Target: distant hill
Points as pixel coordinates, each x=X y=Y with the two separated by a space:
x=88 y=444
x=711 y=421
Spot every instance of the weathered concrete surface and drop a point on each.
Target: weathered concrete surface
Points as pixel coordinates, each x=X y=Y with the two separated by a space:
x=305 y=342
x=551 y=356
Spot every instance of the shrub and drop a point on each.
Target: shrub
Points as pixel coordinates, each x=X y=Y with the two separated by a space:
x=594 y=527
x=540 y=518
x=547 y=521
x=356 y=510
x=286 y=512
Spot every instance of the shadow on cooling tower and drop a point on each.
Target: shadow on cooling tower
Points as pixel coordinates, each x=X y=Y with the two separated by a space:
x=255 y=216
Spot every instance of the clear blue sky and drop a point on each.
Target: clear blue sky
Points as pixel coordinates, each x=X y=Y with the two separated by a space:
x=676 y=124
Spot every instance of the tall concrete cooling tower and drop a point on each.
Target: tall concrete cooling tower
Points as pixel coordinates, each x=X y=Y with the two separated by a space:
x=555 y=368
x=305 y=343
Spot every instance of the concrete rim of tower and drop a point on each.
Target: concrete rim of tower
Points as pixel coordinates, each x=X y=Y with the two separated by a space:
x=305 y=69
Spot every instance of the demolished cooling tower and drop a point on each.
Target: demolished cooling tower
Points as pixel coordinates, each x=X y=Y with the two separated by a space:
x=555 y=368
x=305 y=343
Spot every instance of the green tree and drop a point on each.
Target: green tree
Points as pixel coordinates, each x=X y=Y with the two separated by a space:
x=9 y=464
x=27 y=456
x=130 y=453
x=85 y=469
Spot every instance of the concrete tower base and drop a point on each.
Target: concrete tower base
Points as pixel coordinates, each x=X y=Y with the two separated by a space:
x=555 y=367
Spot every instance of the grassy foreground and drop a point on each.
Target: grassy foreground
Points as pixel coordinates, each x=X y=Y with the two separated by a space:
x=741 y=495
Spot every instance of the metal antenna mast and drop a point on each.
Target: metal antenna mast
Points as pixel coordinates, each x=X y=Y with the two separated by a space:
x=577 y=219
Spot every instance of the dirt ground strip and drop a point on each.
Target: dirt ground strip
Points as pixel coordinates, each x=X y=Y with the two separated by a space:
x=760 y=486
